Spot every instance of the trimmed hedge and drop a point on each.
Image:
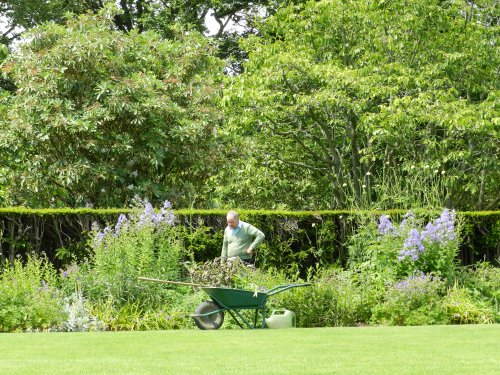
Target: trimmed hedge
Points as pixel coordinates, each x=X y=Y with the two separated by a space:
x=295 y=240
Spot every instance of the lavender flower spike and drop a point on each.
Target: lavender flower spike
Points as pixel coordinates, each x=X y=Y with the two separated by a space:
x=122 y=220
x=385 y=226
x=412 y=247
x=442 y=230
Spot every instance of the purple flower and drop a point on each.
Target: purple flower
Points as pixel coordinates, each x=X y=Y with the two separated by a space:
x=385 y=226
x=148 y=215
x=101 y=235
x=167 y=205
x=442 y=230
x=417 y=286
x=167 y=213
x=122 y=220
x=412 y=247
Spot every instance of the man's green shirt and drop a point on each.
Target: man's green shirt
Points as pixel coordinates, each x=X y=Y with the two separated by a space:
x=236 y=244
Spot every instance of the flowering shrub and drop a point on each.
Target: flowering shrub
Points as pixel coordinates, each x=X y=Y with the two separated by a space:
x=433 y=249
x=143 y=243
x=414 y=300
x=408 y=248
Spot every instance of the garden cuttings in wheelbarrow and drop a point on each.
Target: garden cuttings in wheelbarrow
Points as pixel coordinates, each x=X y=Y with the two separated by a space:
x=210 y=314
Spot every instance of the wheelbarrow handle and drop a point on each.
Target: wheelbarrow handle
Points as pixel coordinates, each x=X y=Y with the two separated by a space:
x=170 y=282
x=281 y=288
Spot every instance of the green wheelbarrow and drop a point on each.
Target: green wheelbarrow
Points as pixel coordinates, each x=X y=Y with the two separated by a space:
x=210 y=314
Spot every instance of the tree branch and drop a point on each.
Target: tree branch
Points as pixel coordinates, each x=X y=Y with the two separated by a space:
x=296 y=138
x=297 y=164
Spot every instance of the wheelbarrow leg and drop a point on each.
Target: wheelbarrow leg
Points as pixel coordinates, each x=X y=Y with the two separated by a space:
x=236 y=311
x=234 y=317
x=264 y=316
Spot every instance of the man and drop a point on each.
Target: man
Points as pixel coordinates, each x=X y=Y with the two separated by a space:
x=240 y=239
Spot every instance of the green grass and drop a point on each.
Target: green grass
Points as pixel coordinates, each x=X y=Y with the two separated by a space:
x=439 y=350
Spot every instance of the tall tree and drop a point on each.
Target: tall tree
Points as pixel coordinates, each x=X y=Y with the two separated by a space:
x=100 y=115
x=347 y=90
x=159 y=15
x=19 y=15
x=231 y=19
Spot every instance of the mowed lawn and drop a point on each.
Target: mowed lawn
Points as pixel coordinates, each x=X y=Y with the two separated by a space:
x=473 y=349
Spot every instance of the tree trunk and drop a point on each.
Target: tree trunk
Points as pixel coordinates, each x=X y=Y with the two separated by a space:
x=355 y=158
x=480 y=204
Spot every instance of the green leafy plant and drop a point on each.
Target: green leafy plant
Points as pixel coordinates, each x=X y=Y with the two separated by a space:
x=462 y=308
x=415 y=300
x=29 y=299
x=333 y=299
x=132 y=316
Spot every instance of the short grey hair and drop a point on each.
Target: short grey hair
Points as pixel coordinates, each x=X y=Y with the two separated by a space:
x=233 y=214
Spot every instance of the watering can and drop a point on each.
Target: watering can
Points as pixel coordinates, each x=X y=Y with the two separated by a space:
x=281 y=318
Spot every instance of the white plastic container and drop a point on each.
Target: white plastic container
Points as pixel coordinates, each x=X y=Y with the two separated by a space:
x=281 y=318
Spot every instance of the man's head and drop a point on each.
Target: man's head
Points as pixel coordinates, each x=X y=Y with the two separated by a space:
x=232 y=219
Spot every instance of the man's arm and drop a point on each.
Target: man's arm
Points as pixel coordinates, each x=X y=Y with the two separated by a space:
x=257 y=234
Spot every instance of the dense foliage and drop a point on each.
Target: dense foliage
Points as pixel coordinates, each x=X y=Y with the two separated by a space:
x=373 y=104
x=100 y=115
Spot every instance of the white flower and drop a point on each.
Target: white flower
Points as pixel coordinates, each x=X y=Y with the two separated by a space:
x=103 y=190
x=344 y=184
x=443 y=172
x=368 y=173
x=363 y=186
x=134 y=174
x=130 y=187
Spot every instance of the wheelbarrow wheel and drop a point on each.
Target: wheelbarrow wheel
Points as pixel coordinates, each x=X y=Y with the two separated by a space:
x=212 y=321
